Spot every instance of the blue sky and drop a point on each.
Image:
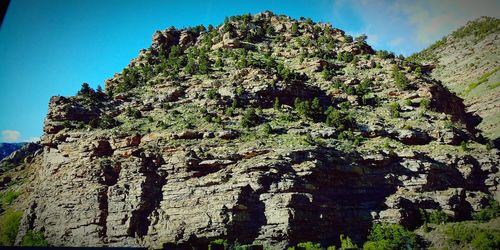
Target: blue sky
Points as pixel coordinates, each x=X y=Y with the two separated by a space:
x=51 y=47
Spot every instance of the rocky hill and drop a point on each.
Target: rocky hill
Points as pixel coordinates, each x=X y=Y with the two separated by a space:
x=467 y=62
x=264 y=130
x=7 y=148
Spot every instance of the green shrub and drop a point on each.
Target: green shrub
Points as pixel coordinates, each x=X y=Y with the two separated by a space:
x=213 y=94
x=418 y=72
x=250 y=118
x=489 y=212
x=276 y=104
x=463 y=146
x=435 y=217
x=34 y=239
x=218 y=244
x=487 y=240
x=338 y=119
x=9 y=227
x=391 y=236
x=364 y=87
x=425 y=103
x=400 y=80
x=478 y=238
x=8 y=197
x=303 y=108
x=107 y=122
x=307 y=246
x=384 y=54
x=346 y=243
x=295 y=28
x=394 y=109
x=267 y=129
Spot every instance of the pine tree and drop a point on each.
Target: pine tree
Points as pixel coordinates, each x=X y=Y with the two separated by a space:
x=86 y=90
x=295 y=29
x=276 y=103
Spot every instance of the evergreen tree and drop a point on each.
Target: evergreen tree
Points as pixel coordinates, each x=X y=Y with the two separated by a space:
x=295 y=29
x=276 y=103
x=85 y=90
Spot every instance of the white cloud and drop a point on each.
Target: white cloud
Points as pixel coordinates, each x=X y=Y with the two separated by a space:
x=33 y=139
x=397 y=41
x=10 y=135
x=435 y=19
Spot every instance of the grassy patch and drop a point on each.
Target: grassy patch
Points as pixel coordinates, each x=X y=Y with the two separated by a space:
x=8 y=197
x=9 y=226
x=484 y=78
x=34 y=239
x=469 y=235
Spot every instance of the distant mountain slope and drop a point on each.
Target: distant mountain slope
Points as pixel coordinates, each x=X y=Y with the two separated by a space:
x=7 y=148
x=467 y=62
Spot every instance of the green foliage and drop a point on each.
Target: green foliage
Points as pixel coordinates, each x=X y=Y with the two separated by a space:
x=384 y=54
x=402 y=83
x=434 y=217
x=345 y=56
x=463 y=146
x=203 y=64
x=478 y=238
x=478 y=29
x=394 y=109
x=425 y=103
x=131 y=78
x=489 y=212
x=364 y=87
x=276 y=104
x=9 y=227
x=218 y=244
x=86 y=90
x=267 y=129
x=348 y=39
x=242 y=60
x=34 y=239
x=135 y=113
x=307 y=246
x=325 y=74
x=307 y=109
x=213 y=94
x=390 y=236
x=295 y=29
x=338 y=119
x=107 y=122
x=418 y=72
x=250 y=118
x=191 y=67
x=218 y=63
x=8 y=197
x=484 y=78
x=361 y=40
x=346 y=243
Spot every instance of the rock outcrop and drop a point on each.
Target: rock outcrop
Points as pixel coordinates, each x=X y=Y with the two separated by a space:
x=200 y=155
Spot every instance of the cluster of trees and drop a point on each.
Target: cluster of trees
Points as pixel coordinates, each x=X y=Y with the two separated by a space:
x=198 y=61
x=307 y=109
x=400 y=80
x=345 y=56
x=382 y=236
x=90 y=94
x=171 y=62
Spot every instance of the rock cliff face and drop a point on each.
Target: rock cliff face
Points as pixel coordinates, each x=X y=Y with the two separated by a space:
x=466 y=61
x=176 y=152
